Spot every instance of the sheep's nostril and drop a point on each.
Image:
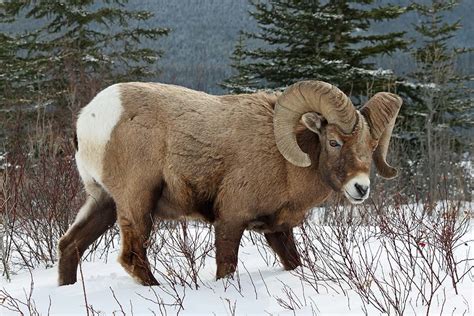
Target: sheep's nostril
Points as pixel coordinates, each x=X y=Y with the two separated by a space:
x=362 y=189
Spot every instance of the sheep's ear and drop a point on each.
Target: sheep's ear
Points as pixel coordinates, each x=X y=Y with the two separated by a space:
x=312 y=121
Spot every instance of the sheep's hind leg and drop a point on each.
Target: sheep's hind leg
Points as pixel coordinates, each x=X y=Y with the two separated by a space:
x=228 y=235
x=283 y=243
x=135 y=221
x=94 y=218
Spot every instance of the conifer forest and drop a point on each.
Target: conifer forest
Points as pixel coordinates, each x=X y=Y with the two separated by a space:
x=408 y=249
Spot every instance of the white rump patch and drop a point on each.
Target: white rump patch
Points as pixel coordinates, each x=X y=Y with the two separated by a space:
x=95 y=124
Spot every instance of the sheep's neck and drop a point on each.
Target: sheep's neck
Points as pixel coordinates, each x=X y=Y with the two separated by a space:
x=307 y=188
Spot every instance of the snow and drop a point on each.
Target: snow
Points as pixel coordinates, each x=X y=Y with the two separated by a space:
x=419 y=85
x=466 y=163
x=332 y=62
x=260 y=286
x=90 y=58
x=3 y=164
x=376 y=72
x=328 y=16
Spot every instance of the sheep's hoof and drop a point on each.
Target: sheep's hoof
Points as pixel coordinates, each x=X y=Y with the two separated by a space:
x=292 y=264
x=225 y=271
x=150 y=282
x=144 y=277
x=66 y=281
x=229 y=276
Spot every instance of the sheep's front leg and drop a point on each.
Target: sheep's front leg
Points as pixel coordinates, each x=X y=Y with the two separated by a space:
x=228 y=235
x=283 y=243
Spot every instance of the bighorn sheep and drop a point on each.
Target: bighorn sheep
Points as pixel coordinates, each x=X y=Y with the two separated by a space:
x=253 y=161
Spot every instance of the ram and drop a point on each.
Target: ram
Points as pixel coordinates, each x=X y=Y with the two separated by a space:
x=252 y=161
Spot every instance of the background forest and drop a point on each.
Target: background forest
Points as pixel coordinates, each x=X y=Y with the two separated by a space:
x=56 y=55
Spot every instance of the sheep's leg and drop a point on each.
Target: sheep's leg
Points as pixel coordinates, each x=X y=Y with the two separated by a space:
x=283 y=243
x=135 y=221
x=227 y=242
x=94 y=218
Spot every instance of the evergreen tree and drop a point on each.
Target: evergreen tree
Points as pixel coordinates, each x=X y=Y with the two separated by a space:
x=14 y=71
x=323 y=40
x=9 y=63
x=436 y=123
x=446 y=102
x=242 y=82
x=80 y=46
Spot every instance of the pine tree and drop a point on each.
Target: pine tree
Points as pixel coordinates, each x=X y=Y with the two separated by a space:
x=242 y=82
x=327 y=41
x=15 y=74
x=445 y=106
x=10 y=68
x=82 y=46
x=445 y=99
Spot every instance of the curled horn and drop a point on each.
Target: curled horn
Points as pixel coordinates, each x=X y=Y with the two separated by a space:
x=381 y=112
x=309 y=96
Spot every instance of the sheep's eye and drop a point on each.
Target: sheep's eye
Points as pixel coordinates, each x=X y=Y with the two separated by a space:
x=334 y=143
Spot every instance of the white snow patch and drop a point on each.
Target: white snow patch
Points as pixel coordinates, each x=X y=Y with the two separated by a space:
x=418 y=85
x=90 y=58
x=328 y=16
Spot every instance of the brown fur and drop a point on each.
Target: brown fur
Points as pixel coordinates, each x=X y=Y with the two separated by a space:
x=102 y=215
x=179 y=153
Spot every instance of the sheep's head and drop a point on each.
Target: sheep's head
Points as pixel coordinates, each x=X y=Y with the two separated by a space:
x=349 y=139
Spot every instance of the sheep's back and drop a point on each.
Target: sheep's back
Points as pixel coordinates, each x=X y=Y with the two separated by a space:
x=197 y=146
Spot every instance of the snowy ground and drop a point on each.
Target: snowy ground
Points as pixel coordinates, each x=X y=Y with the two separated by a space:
x=261 y=287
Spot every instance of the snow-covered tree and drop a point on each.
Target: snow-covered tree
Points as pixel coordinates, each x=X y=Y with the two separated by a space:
x=446 y=103
x=76 y=47
x=439 y=123
x=15 y=74
x=8 y=64
x=325 y=40
x=242 y=82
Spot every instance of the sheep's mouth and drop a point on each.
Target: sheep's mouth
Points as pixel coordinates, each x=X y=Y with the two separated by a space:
x=352 y=199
